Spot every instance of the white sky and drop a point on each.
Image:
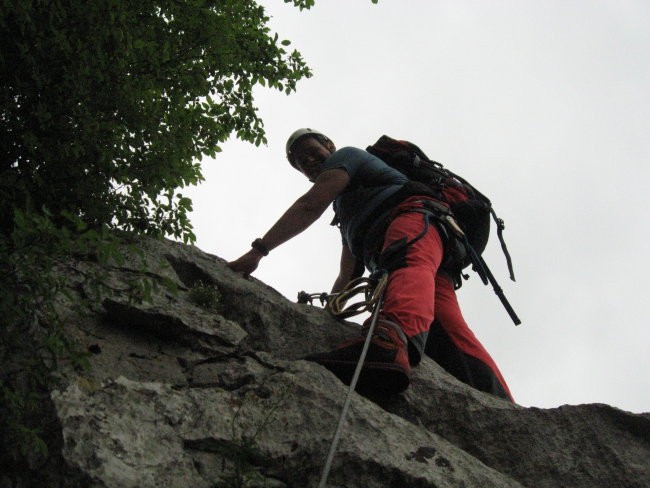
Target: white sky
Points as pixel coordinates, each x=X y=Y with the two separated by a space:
x=544 y=106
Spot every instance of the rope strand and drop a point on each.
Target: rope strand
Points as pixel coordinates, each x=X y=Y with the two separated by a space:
x=376 y=299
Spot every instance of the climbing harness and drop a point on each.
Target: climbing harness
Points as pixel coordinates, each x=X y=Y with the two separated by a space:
x=390 y=257
x=380 y=277
x=439 y=212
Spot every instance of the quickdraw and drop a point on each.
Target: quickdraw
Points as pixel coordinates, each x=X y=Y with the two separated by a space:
x=337 y=303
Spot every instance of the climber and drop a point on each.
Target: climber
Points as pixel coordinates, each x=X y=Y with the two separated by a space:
x=386 y=221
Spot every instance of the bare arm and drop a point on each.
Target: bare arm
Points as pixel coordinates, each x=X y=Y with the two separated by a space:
x=304 y=212
x=308 y=208
x=349 y=269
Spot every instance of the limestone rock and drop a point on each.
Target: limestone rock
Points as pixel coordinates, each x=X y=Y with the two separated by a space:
x=178 y=395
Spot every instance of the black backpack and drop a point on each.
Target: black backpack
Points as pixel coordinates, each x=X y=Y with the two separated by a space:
x=471 y=209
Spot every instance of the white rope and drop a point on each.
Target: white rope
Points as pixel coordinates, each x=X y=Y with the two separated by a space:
x=348 y=398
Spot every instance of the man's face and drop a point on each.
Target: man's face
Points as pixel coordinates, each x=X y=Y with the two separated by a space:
x=308 y=155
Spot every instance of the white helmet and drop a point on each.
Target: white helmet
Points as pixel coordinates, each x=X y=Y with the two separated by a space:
x=299 y=134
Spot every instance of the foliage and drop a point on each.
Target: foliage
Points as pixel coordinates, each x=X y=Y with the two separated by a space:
x=32 y=340
x=205 y=296
x=106 y=109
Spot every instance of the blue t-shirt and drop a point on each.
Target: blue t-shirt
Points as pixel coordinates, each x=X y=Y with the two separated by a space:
x=372 y=181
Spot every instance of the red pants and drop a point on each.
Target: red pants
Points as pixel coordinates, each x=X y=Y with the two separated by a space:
x=420 y=299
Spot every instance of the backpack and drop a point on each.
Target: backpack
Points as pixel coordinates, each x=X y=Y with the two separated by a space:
x=470 y=208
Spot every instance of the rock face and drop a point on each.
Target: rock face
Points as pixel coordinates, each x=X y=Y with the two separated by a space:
x=182 y=395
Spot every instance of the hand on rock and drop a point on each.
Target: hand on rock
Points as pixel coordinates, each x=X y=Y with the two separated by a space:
x=247 y=263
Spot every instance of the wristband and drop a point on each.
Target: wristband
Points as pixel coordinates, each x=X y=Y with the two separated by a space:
x=258 y=245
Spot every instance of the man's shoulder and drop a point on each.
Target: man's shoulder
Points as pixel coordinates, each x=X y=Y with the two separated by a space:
x=350 y=155
x=350 y=151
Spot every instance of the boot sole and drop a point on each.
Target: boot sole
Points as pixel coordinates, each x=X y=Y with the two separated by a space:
x=374 y=377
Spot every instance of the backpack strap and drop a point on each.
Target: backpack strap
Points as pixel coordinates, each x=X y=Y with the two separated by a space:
x=500 y=226
x=498 y=221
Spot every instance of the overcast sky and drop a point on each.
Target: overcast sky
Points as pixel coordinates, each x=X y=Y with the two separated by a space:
x=544 y=106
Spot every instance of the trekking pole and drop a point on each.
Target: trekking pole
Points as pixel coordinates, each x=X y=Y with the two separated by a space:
x=353 y=384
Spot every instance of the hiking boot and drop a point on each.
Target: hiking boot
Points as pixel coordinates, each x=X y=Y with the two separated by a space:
x=386 y=367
